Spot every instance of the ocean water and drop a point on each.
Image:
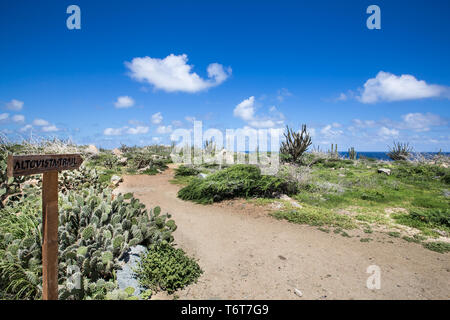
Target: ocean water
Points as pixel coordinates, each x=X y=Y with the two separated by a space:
x=384 y=156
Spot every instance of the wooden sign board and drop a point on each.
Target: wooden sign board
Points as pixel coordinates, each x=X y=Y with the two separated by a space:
x=35 y=164
x=49 y=165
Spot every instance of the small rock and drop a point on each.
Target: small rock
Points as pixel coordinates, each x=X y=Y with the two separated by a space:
x=281 y=257
x=290 y=200
x=202 y=175
x=115 y=180
x=126 y=276
x=385 y=171
x=91 y=149
x=298 y=292
x=341 y=175
x=143 y=169
x=277 y=205
x=122 y=160
x=117 y=152
x=440 y=232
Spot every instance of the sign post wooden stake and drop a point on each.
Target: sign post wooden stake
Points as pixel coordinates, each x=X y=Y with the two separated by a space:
x=49 y=165
x=50 y=235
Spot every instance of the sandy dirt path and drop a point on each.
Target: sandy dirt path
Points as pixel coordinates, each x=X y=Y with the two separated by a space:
x=246 y=254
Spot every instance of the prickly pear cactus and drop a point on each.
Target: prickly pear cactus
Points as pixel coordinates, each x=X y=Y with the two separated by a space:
x=94 y=230
x=78 y=179
x=10 y=188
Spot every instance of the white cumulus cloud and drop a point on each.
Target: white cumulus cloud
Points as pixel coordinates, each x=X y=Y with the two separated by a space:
x=125 y=130
x=390 y=87
x=157 y=118
x=388 y=133
x=40 y=122
x=138 y=130
x=113 y=131
x=331 y=131
x=174 y=74
x=4 y=116
x=422 y=122
x=246 y=111
x=124 y=102
x=190 y=119
x=26 y=128
x=164 y=129
x=364 y=123
x=15 y=105
x=18 y=118
x=51 y=128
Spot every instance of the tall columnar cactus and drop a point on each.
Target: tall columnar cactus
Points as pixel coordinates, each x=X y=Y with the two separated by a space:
x=333 y=151
x=352 y=153
x=295 y=144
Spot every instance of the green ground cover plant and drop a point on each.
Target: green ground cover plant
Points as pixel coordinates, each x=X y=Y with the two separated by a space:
x=167 y=268
x=183 y=171
x=236 y=181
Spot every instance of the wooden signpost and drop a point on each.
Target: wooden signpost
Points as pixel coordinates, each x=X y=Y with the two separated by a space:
x=49 y=165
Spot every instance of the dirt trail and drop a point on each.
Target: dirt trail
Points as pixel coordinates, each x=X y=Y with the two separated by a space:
x=254 y=256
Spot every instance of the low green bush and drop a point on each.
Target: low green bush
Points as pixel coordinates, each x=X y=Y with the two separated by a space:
x=446 y=178
x=373 y=195
x=426 y=220
x=166 y=268
x=437 y=246
x=429 y=201
x=236 y=181
x=150 y=171
x=183 y=171
x=314 y=217
x=420 y=171
x=436 y=217
x=333 y=163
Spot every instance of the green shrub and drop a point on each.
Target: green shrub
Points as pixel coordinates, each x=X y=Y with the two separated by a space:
x=373 y=195
x=437 y=246
x=429 y=202
x=394 y=234
x=150 y=171
x=237 y=181
x=413 y=171
x=183 y=171
x=446 y=178
x=425 y=220
x=164 y=267
x=440 y=217
x=315 y=217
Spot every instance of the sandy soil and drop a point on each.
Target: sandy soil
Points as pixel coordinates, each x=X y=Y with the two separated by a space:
x=246 y=254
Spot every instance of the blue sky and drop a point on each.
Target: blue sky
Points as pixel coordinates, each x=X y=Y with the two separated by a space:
x=137 y=70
